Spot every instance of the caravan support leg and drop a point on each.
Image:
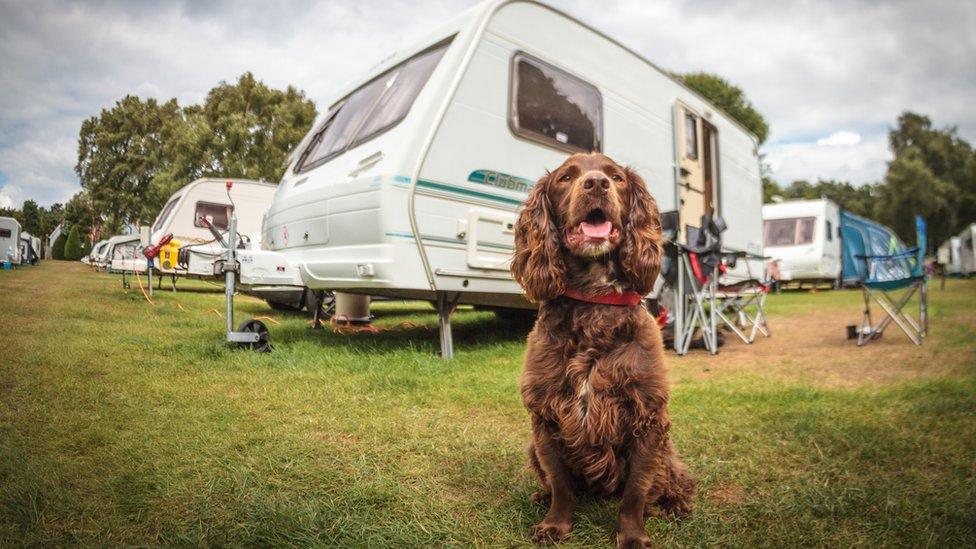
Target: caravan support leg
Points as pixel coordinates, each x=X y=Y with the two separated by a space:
x=172 y=282
x=444 y=309
x=319 y=305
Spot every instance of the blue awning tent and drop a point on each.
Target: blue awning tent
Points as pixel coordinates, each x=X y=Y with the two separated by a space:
x=862 y=237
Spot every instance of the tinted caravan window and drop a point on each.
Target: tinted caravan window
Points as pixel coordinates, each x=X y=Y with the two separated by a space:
x=789 y=232
x=5 y=233
x=217 y=214
x=165 y=214
x=553 y=107
x=375 y=107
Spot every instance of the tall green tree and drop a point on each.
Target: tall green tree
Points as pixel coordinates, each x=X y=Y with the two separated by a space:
x=72 y=246
x=730 y=98
x=119 y=154
x=934 y=174
x=31 y=218
x=79 y=212
x=911 y=188
x=57 y=249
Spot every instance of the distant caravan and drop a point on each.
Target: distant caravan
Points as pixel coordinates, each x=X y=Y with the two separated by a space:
x=9 y=241
x=190 y=229
x=949 y=256
x=816 y=241
x=967 y=250
x=409 y=184
x=803 y=237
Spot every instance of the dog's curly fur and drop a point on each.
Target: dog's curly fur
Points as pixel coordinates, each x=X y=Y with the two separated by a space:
x=594 y=377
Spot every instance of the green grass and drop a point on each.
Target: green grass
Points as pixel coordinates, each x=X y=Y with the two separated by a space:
x=123 y=423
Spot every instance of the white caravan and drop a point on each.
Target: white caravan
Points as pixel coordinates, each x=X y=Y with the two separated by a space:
x=121 y=248
x=30 y=247
x=803 y=237
x=948 y=255
x=967 y=250
x=408 y=186
x=199 y=253
x=96 y=251
x=10 y=240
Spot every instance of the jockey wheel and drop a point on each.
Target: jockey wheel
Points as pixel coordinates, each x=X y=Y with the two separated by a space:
x=263 y=343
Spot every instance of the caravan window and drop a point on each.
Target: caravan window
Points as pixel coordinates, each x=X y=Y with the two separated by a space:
x=218 y=214
x=553 y=107
x=161 y=220
x=691 y=136
x=789 y=232
x=372 y=109
x=5 y=233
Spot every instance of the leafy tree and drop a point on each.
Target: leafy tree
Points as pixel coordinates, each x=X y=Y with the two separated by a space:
x=119 y=153
x=858 y=199
x=944 y=188
x=31 y=218
x=72 y=246
x=730 y=98
x=57 y=249
x=79 y=212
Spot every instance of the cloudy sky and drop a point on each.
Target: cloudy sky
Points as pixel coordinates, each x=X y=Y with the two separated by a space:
x=830 y=77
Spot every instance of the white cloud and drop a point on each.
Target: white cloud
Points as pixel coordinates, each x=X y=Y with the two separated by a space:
x=840 y=139
x=814 y=69
x=842 y=158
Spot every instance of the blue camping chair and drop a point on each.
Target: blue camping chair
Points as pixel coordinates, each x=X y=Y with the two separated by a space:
x=882 y=274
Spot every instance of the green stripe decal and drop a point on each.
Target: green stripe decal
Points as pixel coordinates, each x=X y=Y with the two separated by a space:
x=433 y=238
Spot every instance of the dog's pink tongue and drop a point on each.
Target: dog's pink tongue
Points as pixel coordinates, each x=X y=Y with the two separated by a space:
x=596 y=230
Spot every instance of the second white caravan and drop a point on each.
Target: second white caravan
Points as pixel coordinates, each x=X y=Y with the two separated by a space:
x=803 y=237
x=410 y=183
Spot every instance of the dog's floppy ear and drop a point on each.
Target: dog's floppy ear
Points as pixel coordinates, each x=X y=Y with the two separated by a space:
x=642 y=248
x=537 y=263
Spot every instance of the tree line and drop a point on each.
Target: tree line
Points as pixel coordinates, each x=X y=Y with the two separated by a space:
x=134 y=155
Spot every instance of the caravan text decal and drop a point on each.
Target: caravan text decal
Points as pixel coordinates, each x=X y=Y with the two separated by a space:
x=501 y=180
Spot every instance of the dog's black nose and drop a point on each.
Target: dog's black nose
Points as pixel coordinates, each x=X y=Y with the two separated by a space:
x=596 y=183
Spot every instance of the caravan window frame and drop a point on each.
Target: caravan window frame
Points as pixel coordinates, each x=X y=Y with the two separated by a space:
x=228 y=208
x=336 y=108
x=542 y=139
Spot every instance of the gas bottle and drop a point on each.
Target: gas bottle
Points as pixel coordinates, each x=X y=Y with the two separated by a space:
x=168 y=254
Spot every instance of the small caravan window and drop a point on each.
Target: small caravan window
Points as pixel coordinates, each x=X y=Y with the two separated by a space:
x=830 y=232
x=5 y=233
x=554 y=107
x=217 y=214
x=691 y=136
x=789 y=232
x=374 y=108
x=161 y=220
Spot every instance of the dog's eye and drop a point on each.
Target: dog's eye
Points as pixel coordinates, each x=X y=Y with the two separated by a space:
x=616 y=177
x=565 y=177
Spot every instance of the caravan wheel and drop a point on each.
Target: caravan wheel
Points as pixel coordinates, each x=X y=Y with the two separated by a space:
x=263 y=345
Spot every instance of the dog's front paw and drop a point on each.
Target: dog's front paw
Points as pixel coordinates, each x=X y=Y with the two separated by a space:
x=541 y=498
x=547 y=532
x=633 y=538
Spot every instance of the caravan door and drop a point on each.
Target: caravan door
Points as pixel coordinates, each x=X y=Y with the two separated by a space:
x=697 y=169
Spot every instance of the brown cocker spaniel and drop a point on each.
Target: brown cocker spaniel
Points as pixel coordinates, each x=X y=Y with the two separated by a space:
x=588 y=245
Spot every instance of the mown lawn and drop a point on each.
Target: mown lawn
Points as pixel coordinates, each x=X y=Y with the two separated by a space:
x=125 y=423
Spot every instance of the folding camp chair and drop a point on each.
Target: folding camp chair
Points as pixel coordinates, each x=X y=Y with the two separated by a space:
x=889 y=273
x=742 y=304
x=698 y=262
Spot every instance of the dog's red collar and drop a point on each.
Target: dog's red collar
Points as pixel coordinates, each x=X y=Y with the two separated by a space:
x=628 y=299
